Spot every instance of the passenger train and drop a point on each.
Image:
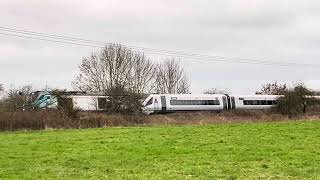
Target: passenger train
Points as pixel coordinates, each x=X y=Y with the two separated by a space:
x=159 y=103
x=163 y=103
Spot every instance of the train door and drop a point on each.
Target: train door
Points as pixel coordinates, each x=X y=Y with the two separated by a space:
x=156 y=104
x=163 y=104
x=225 y=103
x=229 y=102
x=233 y=103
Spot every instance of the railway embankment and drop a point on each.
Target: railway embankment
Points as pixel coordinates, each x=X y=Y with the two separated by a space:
x=57 y=119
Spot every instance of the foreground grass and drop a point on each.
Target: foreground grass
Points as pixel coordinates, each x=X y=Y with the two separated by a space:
x=286 y=150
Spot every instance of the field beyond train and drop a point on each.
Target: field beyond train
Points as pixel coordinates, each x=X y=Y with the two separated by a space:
x=273 y=150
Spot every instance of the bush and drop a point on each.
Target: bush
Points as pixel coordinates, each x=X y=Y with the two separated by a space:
x=295 y=101
x=16 y=98
x=65 y=104
x=59 y=119
x=123 y=101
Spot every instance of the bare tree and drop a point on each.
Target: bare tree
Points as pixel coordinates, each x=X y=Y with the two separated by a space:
x=16 y=98
x=273 y=89
x=216 y=91
x=171 y=78
x=1 y=87
x=115 y=67
x=118 y=72
x=141 y=75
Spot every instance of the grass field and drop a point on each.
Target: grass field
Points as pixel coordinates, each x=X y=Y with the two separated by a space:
x=283 y=150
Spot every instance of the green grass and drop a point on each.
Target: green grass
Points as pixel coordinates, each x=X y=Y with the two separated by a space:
x=283 y=150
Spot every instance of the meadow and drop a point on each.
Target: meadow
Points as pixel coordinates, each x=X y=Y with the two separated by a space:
x=265 y=150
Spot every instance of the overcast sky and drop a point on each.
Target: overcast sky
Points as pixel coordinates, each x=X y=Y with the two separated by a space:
x=284 y=31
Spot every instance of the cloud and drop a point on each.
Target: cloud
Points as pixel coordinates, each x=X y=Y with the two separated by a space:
x=286 y=30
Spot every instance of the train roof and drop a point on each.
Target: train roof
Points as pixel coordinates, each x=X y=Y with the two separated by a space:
x=188 y=95
x=208 y=95
x=254 y=95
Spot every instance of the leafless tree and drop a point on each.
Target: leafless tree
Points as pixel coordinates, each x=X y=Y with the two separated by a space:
x=17 y=97
x=216 y=91
x=118 y=72
x=171 y=78
x=141 y=75
x=115 y=67
x=1 y=87
x=273 y=89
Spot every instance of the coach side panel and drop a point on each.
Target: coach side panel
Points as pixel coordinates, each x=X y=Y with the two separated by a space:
x=194 y=103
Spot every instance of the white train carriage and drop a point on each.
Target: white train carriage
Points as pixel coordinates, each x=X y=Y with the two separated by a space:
x=255 y=101
x=162 y=103
x=89 y=102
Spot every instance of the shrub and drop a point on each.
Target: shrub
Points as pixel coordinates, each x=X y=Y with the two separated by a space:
x=59 y=119
x=123 y=101
x=65 y=104
x=295 y=101
x=16 y=98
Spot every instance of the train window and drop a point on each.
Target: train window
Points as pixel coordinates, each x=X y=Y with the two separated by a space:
x=247 y=102
x=174 y=102
x=102 y=103
x=194 y=102
x=214 y=102
x=259 y=102
x=41 y=97
x=149 y=102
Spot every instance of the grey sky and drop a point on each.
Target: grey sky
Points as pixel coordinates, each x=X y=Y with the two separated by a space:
x=286 y=30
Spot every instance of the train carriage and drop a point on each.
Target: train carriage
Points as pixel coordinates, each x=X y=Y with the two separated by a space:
x=255 y=101
x=163 y=103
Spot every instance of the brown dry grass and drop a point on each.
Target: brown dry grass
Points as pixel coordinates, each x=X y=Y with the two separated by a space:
x=55 y=119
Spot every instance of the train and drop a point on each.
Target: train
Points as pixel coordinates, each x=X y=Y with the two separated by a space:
x=165 y=103
x=158 y=103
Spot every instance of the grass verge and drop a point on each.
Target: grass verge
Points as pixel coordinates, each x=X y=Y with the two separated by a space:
x=280 y=150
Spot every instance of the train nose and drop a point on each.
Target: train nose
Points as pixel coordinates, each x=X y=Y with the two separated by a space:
x=145 y=110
